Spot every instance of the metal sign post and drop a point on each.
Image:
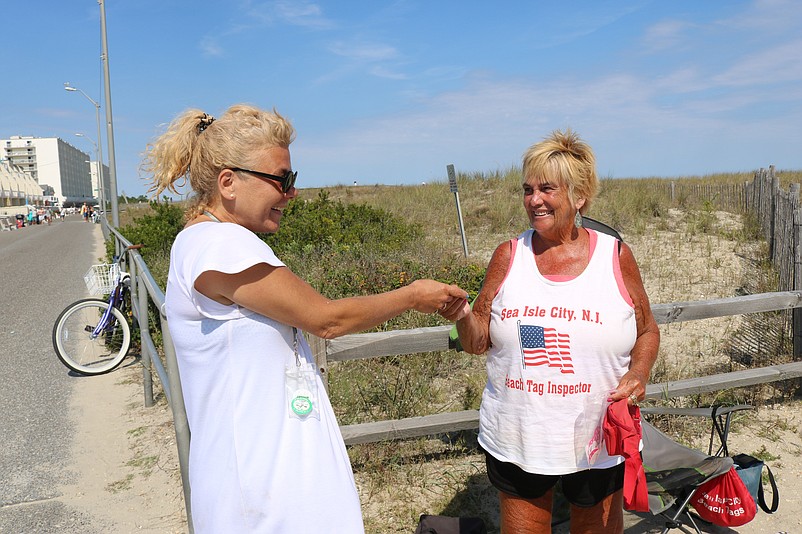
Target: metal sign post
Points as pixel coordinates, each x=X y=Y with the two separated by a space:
x=452 y=181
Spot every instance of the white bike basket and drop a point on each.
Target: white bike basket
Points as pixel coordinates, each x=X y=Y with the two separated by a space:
x=101 y=278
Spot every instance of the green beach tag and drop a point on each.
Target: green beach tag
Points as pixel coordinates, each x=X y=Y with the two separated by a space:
x=301 y=404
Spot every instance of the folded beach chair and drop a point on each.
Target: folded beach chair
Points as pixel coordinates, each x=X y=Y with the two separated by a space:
x=673 y=473
x=720 y=417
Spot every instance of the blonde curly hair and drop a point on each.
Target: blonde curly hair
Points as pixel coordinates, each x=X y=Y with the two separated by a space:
x=196 y=147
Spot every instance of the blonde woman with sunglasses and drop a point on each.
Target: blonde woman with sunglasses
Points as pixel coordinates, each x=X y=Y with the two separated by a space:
x=266 y=454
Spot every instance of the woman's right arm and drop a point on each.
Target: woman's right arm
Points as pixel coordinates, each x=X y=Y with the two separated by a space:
x=474 y=328
x=276 y=292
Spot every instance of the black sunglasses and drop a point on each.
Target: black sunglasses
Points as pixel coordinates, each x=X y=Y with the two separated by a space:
x=285 y=182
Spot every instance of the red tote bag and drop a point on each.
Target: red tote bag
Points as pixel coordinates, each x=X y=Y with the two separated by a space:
x=724 y=501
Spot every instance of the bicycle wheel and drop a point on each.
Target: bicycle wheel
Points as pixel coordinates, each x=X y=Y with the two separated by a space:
x=80 y=349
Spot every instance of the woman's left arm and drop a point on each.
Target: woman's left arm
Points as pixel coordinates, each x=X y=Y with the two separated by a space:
x=647 y=342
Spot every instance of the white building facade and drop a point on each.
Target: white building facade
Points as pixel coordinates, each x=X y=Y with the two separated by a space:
x=62 y=171
x=96 y=187
x=17 y=190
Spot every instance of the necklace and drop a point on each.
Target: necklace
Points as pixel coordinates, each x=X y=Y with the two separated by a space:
x=212 y=217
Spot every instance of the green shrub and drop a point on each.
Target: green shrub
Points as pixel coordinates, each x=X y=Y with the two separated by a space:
x=345 y=250
x=155 y=229
x=323 y=225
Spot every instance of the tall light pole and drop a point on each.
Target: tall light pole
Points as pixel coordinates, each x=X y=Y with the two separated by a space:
x=99 y=163
x=68 y=87
x=115 y=212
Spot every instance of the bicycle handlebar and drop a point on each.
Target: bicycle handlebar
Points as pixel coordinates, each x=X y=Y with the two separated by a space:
x=119 y=259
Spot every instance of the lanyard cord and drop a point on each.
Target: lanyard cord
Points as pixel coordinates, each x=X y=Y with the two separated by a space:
x=295 y=346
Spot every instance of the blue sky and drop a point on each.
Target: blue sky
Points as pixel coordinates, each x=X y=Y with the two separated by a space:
x=393 y=92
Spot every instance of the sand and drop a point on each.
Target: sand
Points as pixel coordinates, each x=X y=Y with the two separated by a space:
x=126 y=456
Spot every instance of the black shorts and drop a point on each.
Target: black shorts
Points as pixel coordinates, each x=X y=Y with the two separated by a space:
x=584 y=489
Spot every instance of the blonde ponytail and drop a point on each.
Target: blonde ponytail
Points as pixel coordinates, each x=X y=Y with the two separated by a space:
x=196 y=146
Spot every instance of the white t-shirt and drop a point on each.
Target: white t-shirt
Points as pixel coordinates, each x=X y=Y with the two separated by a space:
x=252 y=467
x=558 y=350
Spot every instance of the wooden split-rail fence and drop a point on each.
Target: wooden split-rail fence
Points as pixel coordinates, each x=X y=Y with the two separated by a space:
x=779 y=216
x=404 y=342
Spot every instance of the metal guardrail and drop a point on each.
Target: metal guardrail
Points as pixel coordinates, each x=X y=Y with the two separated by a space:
x=145 y=290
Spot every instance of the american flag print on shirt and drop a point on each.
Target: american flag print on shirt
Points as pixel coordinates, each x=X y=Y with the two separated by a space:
x=545 y=346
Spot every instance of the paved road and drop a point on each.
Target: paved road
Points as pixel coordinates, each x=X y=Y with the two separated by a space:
x=41 y=269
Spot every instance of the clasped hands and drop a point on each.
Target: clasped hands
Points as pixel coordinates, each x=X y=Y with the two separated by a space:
x=455 y=309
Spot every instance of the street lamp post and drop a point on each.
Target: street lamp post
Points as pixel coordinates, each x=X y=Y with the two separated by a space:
x=115 y=210
x=68 y=87
x=99 y=163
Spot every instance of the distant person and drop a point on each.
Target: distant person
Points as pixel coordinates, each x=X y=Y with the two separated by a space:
x=266 y=452
x=567 y=327
x=85 y=212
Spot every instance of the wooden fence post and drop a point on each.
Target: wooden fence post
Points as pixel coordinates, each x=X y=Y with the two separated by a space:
x=764 y=208
x=797 y=312
x=748 y=191
x=319 y=347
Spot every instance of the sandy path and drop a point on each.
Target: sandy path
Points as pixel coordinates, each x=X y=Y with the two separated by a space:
x=126 y=456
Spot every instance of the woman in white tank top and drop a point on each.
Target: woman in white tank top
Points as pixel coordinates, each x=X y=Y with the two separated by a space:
x=567 y=328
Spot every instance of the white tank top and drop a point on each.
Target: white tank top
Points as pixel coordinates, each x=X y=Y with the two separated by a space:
x=557 y=350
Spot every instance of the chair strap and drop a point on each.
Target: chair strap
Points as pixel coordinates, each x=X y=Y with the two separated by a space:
x=761 y=499
x=775 y=496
